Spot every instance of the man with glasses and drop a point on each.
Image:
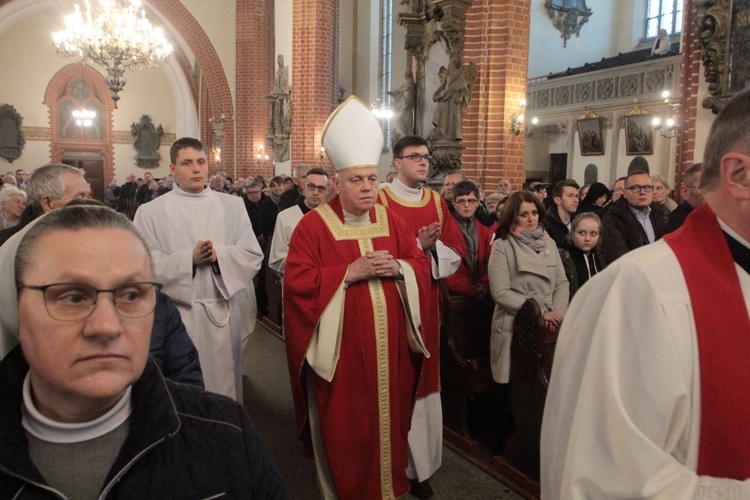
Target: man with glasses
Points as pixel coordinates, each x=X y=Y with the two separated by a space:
x=631 y=223
x=691 y=196
x=428 y=216
x=471 y=279
x=86 y=413
x=315 y=191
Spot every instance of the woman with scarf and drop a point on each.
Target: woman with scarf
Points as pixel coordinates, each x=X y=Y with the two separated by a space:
x=524 y=263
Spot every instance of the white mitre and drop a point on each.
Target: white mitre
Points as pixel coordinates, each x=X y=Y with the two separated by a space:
x=352 y=136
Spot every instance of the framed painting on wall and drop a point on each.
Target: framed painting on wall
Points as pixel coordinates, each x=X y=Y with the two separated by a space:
x=590 y=136
x=639 y=135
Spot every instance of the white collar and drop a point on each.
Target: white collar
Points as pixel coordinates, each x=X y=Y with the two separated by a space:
x=49 y=430
x=184 y=194
x=732 y=233
x=356 y=220
x=404 y=191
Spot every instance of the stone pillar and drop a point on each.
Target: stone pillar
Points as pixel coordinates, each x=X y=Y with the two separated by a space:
x=497 y=40
x=254 y=22
x=314 y=76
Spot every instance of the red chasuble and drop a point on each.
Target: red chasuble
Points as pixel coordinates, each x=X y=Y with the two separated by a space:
x=723 y=331
x=365 y=411
x=431 y=208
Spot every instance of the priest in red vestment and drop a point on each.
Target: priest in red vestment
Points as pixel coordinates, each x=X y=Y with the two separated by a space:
x=431 y=223
x=353 y=321
x=648 y=396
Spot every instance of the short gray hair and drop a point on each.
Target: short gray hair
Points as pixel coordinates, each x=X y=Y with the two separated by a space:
x=9 y=191
x=47 y=180
x=72 y=218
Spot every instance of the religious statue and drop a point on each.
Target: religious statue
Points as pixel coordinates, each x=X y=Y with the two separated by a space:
x=451 y=98
x=146 y=141
x=404 y=108
x=281 y=112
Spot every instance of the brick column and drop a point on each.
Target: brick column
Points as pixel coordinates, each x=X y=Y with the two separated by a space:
x=314 y=76
x=254 y=70
x=689 y=79
x=497 y=40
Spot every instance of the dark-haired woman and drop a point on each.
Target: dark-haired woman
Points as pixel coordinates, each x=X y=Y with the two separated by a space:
x=524 y=263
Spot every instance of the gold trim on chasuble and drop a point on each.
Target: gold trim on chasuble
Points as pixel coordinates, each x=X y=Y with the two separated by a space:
x=364 y=235
x=429 y=194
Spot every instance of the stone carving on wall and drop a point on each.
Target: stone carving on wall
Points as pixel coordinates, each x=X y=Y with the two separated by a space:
x=146 y=140
x=434 y=39
x=404 y=104
x=11 y=136
x=713 y=31
x=281 y=112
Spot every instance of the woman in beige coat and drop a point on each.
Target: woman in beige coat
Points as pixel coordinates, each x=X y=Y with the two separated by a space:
x=524 y=263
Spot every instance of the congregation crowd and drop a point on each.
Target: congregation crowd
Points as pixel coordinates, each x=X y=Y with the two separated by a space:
x=121 y=396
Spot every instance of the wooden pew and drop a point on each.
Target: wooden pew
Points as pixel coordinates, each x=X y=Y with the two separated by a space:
x=531 y=354
x=464 y=362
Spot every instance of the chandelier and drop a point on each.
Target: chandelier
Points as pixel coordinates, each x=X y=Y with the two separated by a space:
x=116 y=35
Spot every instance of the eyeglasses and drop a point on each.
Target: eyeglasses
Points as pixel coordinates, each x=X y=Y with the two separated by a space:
x=463 y=202
x=636 y=188
x=415 y=157
x=320 y=189
x=253 y=192
x=74 y=301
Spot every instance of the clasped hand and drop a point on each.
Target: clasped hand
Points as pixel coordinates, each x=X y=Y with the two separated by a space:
x=428 y=235
x=552 y=320
x=204 y=253
x=376 y=264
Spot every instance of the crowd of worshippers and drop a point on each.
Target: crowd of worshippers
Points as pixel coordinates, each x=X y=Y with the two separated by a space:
x=151 y=313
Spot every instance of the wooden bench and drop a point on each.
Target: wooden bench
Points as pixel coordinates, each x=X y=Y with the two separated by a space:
x=531 y=354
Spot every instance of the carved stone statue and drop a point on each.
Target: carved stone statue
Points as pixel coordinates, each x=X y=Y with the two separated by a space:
x=281 y=112
x=146 y=141
x=451 y=98
x=405 y=97
x=11 y=137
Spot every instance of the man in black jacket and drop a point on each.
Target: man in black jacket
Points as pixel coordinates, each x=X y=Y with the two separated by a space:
x=633 y=221
x=558 y=218
x=84 y=277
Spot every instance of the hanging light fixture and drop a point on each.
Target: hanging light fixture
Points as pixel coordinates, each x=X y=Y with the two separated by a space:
x=116 y=35
x=381 y=111
x=84 y=117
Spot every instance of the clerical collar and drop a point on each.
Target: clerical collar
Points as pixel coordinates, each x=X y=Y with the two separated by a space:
x=404 y=191
x=48 y=430
x=184 y=194
x=356 y=220
x=739 y=247
x=304 y=207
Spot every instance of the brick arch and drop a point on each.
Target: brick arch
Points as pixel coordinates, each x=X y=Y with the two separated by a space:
x=55 y=97
x=218 y=92
x=219 y=96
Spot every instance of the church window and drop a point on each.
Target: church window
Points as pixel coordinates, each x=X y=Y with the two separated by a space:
x=665 y=14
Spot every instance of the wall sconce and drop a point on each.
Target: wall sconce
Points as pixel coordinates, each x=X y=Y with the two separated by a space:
x=668 y=124
x=218 y=130
x=261 y=154
x=518 y=122
x=322 y=152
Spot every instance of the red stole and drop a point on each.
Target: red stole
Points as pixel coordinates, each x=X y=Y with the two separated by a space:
x=723 y=331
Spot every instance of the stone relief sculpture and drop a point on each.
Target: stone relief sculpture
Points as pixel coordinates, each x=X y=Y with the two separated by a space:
x=452 y=97
x=435 y=31
x=724 y=38
x=11 y=137
x=146 y=141
x=281 y=112
x=405 y=97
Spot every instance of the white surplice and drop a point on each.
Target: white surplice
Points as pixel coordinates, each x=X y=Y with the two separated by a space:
x=172 y=225
x=286 y=221
x=623 y=411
